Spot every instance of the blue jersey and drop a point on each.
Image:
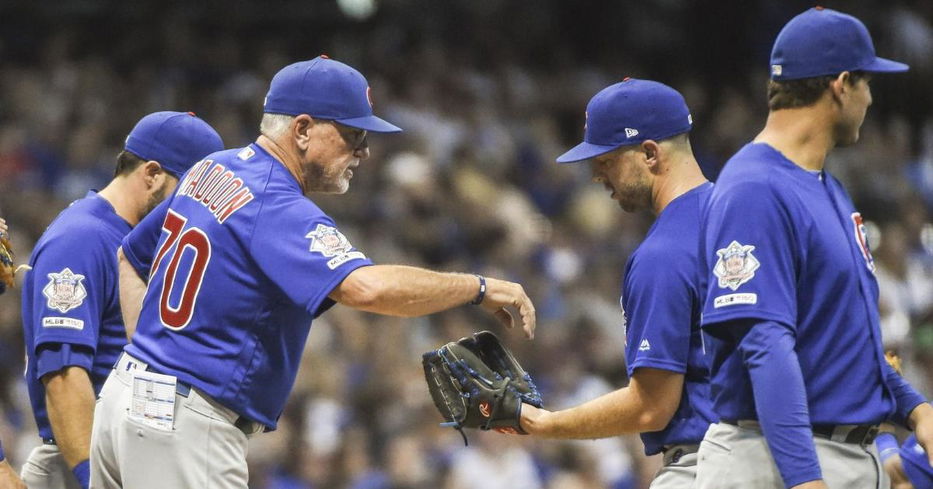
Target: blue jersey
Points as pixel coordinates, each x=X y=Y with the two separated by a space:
x=244 y=263
x=661 y=299
x=785 y=245
x=71 y=304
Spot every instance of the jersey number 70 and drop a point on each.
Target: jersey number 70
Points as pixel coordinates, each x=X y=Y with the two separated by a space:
x=194 y=241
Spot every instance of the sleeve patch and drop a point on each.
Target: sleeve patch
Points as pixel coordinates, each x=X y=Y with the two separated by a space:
x=59 y=322
x=64 y=291
x=735 y=299
x=736 y=265
x=328 y=241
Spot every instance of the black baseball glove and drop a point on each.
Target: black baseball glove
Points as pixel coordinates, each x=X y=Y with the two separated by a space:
x=477 y=383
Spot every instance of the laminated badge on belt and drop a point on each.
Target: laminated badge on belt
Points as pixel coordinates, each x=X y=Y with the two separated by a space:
x=153 y=401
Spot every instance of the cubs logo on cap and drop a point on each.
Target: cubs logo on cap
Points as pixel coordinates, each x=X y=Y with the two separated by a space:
x=630 y=112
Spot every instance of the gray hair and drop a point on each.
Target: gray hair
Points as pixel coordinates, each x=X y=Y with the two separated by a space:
x=274 y=125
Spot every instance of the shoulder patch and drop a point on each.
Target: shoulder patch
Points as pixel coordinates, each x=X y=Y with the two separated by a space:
x=736 y=265
x=64 y=291
x=328 y=241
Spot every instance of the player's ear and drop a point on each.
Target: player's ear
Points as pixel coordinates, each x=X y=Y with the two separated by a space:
x=839 y=86
x=151 y=171
x=652 y=151
x=301 y=130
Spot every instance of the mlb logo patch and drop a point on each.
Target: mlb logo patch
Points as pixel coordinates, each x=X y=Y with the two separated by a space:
x=328 y=241
x=65 y=290
x=736 y=265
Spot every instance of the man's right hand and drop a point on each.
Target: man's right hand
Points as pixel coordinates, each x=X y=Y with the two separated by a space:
x=9 y=479
x=501 y=294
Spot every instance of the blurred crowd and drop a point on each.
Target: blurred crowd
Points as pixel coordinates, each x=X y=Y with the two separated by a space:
x=489 y=93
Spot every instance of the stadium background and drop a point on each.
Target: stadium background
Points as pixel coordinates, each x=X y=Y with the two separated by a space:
x=489 y=92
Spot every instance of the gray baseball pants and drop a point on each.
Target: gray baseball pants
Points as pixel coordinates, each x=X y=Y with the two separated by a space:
x=203 y=450
x=738 y=457
x=46 y=469
x=679 y=470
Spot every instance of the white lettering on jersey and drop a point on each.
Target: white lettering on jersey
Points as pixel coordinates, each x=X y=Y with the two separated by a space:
x=340 y=260
x=59 y=322
x=735 y=299
x=736 y=265
x=64 y=291
x=644 y=346
x=216 y=188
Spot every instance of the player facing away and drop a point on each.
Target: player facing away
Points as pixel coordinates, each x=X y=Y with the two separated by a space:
x=71 y=313
x=799 y=379
x=637 y=141
x=244 y=263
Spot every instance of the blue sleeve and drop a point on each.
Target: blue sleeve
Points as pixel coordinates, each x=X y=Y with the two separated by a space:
x=887 y=446
x=905 y=396
x=53 y=357
x=139 y=246
x=658 y=303
x=300 y=249
x=751 y=241
x=71 y=289
x=780 y=399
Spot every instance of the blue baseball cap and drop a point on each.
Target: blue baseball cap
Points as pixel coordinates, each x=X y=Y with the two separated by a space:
x=177 y=140
x=325 y=89
x=916 y=465
x=630 y=112
x=821 y=42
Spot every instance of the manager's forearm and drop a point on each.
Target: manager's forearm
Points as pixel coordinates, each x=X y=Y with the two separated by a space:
x=69 y=399
x=399 y=290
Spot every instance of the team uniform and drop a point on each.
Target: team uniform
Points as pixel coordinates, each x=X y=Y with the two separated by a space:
x=791 y=305
x=71 y=316
x=244 y=263
x=662 y=299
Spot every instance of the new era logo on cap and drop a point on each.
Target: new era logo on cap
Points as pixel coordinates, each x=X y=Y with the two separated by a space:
x=776 y=70
x=630 y=133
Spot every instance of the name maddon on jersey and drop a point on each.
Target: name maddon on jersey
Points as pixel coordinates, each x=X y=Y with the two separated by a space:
x=216 y=188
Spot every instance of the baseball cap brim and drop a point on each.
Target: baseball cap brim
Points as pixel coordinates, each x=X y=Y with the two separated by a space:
x=585 y=151
x=883 y=65
x=370 y=123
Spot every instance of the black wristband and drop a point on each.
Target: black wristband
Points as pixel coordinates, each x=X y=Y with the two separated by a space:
x=482 y=291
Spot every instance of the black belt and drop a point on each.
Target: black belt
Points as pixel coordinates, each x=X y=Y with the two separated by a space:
x=863 y=434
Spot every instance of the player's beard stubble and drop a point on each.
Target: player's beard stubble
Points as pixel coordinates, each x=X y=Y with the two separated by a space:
x=333 y=179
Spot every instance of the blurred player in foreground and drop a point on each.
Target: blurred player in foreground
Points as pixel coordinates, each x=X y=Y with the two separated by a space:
x=71 y=313
x=799 y=379
x=637 y=141
x=245 y=263
x=9 y=479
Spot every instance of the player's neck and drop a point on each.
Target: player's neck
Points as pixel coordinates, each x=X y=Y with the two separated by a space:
x=802 y=135
x=682 y=176
x=280 y=153
x=126 y=200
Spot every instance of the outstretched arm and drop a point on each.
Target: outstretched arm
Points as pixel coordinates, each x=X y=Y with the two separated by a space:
x=647 y=404
x=398 y=290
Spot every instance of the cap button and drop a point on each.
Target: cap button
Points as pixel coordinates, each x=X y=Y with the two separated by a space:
x=325 y=56
x=819 y=7
x=192 y=114
x=626 y=78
